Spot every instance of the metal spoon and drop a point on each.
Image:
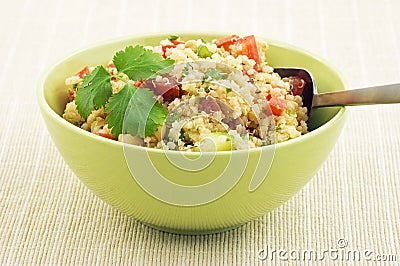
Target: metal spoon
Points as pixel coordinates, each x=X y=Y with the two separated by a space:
x=312 y=99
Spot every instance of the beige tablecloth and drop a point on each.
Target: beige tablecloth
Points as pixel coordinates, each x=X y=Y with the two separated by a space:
x=47 y=216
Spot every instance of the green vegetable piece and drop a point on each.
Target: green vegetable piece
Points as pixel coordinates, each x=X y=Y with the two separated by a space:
x=228 y=90
x=217 y=141
x=173 y=37
x=140 y=64
x=185 y=70
x=214 y=73
x=290 y=112
x=96 y=89
x=174 y=117
x=182 y=135
x=266 y=143
x=135 y=111
x=203 y=52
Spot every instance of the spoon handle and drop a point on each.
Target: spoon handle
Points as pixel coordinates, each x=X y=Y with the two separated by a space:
x=372 y=95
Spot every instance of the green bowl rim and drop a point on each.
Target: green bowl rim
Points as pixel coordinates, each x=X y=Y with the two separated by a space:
x=46 y=108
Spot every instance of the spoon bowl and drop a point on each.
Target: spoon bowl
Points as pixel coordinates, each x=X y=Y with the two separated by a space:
x=382 y=94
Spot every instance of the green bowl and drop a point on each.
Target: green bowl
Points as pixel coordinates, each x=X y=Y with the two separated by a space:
x=186 y=200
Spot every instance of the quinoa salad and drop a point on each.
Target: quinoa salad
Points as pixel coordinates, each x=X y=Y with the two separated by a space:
x=189 y=95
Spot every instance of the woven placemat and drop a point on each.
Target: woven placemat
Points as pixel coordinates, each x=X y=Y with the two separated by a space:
x=47 y=216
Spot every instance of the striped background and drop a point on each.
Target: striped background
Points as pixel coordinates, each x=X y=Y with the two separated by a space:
x=48 y=217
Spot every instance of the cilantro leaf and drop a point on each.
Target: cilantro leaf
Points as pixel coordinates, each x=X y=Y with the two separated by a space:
x=96 y=89
x=135 y=111
x=140 y=64
x=116 y=108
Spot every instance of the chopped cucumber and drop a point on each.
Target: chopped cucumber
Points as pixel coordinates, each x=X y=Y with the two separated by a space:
x=217 y=141
x=203 y=52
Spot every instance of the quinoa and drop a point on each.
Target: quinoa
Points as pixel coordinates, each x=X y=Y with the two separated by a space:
x=227 y=93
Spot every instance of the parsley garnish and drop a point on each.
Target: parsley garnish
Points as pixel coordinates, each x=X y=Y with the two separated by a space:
x=137 y=106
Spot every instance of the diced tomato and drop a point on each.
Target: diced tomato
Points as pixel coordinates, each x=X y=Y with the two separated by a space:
x=297 y=85
x=111 y=67
x=176 y=42
x=83 y=72
x=165 y=47
x=227 y=41
x=71 y=95
x=138 y=83
x=249 y=48
x=173 y=45
x=277 y=105
x=268 y=97
x=246 y=46
x=106 y=135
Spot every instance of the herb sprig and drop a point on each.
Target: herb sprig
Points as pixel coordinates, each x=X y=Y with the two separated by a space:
x=136 y=106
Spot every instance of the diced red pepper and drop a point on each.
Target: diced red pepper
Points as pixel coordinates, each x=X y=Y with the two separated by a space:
x=138 y=83
x=176 y=42
x=111 y=65
x=165 y=47
x=83 y=72
x=106 y=135
x=173 y=45
x=71 y=95
x=227 y=41
x=277 y=105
